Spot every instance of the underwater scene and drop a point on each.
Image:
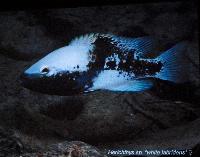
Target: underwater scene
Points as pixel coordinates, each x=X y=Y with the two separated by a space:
x=100 y=81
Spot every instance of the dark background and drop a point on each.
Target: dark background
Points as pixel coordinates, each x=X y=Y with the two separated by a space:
x=166 y=116
x=31 y=4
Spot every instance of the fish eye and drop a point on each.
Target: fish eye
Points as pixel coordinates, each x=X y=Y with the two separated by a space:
x=44 y=70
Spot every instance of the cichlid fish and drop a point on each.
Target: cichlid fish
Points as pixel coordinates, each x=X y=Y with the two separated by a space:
x=105 y=62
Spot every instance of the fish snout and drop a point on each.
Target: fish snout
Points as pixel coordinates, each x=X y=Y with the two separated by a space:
x=26 y=79
x=23 y=78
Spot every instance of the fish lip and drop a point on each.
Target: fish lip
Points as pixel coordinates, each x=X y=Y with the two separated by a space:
x=25 y=78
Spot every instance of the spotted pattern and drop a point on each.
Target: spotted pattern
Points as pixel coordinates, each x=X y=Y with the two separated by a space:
x=108 y=56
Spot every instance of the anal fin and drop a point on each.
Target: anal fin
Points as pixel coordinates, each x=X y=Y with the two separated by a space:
x=132 y=86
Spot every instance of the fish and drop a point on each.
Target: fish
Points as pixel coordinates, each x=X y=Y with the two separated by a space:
x=98 y=61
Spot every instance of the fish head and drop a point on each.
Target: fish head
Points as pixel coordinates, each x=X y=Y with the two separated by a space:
x=62 y=72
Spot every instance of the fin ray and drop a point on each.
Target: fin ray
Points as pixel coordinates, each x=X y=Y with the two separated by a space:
x=143 y=46
x=133 y=86
x=175 y=64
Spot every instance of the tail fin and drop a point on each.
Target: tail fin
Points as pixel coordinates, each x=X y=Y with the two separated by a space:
x=175 y=64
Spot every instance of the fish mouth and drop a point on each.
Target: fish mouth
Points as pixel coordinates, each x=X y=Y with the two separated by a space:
x=25 y=79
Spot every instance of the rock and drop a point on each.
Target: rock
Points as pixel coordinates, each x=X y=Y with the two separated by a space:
x=179 y=138
x=23 y=38
x=196 y=151
x=68 y=149
x=99 y=118
x=9 y=143
x=105 y=116
x=115 y=117
x=31 y=34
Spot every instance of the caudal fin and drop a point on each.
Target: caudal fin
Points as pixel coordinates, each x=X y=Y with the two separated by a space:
x=175 y=64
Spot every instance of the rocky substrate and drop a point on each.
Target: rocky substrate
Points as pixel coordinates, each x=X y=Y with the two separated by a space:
x=34 y=124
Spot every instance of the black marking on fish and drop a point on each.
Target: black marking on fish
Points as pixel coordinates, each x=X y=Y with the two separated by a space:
x=102 y=50
x=63 y=83
x=137 y=66
x=106 y=47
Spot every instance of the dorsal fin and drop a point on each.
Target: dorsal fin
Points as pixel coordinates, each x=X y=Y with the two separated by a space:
x=86 y=39
x=143 y=46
